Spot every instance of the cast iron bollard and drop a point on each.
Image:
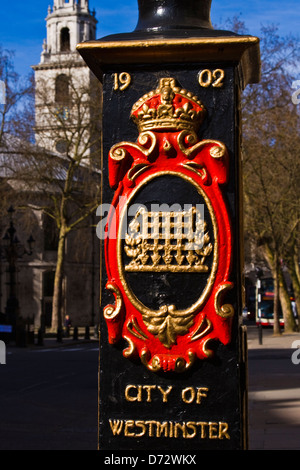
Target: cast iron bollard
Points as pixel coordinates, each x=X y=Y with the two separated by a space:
x=75 y=333
x=173 y=359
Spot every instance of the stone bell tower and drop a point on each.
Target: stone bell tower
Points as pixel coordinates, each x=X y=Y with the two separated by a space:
x=61 y=69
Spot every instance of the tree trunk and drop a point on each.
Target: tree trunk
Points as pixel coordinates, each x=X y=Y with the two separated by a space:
x=56 y=323
x=271 y=260
x=276 y=327
x=280 y=290
x=289 y=320
x=292 y=268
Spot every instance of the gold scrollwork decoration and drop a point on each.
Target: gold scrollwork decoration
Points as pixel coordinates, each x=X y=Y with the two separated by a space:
x=119 y=151
x=190 y=138
x=131 y=347
x=136 y=330
x=112 y=311
x=225 y=310
x=209 y=353
x=204 y=328
x=136 y=170
x=196 y=168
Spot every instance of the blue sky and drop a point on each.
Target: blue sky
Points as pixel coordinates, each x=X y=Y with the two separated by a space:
x=22 y=23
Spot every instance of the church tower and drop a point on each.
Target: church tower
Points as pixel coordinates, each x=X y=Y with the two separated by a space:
x=62 y=71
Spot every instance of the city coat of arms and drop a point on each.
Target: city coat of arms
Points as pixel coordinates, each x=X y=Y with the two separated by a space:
x=168 y=243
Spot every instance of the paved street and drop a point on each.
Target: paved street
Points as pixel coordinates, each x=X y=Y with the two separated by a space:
x=48 y=395
x=274 y=391
x=48 y=398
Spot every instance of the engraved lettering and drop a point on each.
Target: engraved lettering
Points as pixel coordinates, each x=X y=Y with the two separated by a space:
x=223 y=428
x=148 y=389
x=178 y=426
x=213 y=430
x=213 y=78
x=165 y=393
x=137 y=397
x=141 y=424
x=116 y=426
x=170 y=429
x=151 y=427
x=121 y=81
x=202 y=425
x=129 y=424
x=205 y=78
x=201 y=393
x=162 y=428
x=218 y=75
x=188 y=394
x=142 y=393
x=191 y=425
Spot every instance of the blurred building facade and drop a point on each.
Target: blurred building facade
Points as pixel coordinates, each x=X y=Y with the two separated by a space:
x=68 y=23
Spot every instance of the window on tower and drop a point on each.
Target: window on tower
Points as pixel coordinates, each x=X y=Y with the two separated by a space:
x=62 y=93
x=65 y=40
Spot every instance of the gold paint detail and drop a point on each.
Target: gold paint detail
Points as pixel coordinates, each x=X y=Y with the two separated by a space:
x=121 y=81
x=112 y=311
x=167 y=146
x=136 y=330
x=226 y=310
x=192 y=395
x=204 y=328
x=167 y=322
x=145 y=393
x=118 y=152
x=209 y=353
x=167 y=242
x=164 y=116
x=128 y=352
x=137 y=170
x=213 y=78
x=240 y=49
x=190 y=138
x=170 y=429
x=196 y=168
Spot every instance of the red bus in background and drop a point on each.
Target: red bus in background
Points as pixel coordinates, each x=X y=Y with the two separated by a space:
x=265 y=309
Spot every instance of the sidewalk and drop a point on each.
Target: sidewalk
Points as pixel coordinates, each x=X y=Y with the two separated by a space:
x=273 y=387
x=274 y=391
x=50 y=340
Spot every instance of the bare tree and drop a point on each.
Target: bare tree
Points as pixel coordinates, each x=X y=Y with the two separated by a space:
x=64 y=181
x=15 y=93
x=271 y=148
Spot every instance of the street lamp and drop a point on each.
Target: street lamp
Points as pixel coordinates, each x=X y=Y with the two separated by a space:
x=13 y=250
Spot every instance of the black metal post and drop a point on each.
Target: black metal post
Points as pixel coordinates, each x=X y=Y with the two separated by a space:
x=13 y=250
x=158 y=389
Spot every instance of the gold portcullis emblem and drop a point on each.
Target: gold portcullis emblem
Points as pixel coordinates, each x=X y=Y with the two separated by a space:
x=174 y=241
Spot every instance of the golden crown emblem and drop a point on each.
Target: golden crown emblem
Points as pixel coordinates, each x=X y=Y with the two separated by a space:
x=168 y=107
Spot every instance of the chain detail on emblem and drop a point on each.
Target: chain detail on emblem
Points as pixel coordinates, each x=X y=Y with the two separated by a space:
x=168 y=242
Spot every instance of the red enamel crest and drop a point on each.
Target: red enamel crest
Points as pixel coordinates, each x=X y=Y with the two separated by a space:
x=168 y=242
